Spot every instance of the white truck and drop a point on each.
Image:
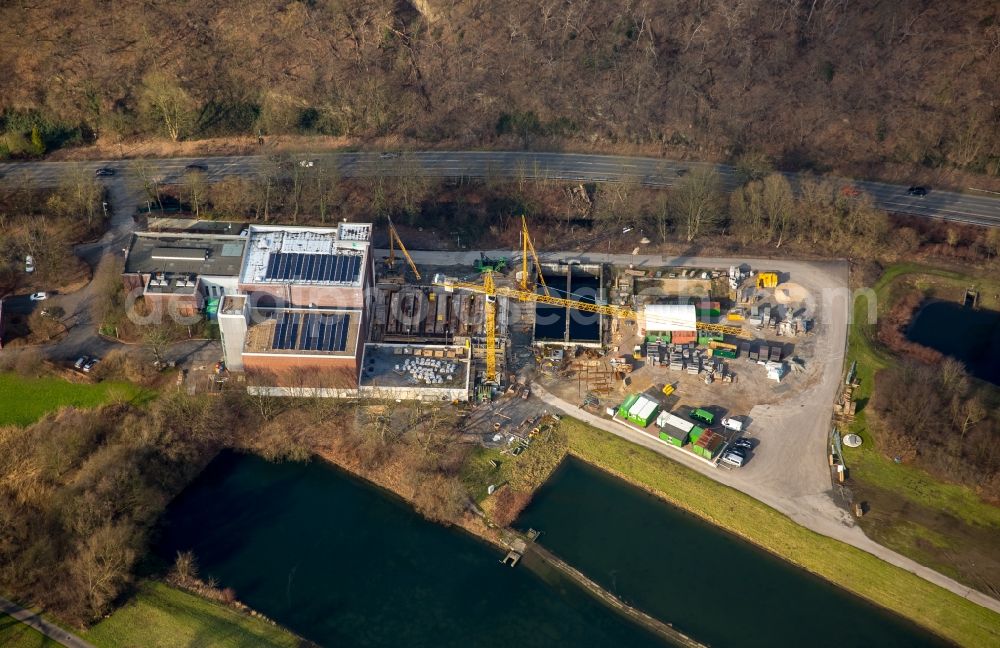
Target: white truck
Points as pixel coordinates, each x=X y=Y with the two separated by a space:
x=733 y=424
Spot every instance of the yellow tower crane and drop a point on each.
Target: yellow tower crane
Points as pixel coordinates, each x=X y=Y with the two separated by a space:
x=526 y=247
x=394 y=240
x=524 y=293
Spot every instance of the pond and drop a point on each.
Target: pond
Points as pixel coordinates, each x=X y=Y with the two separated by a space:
x=967 y=334
x=713 y=586
x=345 y=564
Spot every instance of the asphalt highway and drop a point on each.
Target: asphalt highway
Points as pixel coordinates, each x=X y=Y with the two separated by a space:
x=978 y=209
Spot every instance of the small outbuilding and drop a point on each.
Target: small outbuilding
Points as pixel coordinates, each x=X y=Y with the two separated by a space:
x=639 y=409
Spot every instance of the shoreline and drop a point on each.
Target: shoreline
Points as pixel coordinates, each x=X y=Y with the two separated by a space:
x=535 y=557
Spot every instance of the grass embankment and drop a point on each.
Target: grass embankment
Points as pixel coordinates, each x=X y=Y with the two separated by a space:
x=517 y=477
x=14 y=634
x=945 y=526
x=24 y=400
x=857 y=571
x=163 y=616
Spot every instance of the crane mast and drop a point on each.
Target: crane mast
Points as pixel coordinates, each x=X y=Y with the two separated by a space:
x=394 y=240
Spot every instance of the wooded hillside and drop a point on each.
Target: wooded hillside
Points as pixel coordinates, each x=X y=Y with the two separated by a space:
x=823 y=84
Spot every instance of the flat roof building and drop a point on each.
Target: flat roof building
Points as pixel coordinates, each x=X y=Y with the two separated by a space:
x=182 y=269
x=668 y=318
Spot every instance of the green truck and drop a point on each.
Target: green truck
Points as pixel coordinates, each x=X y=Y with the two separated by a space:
x=702 y=416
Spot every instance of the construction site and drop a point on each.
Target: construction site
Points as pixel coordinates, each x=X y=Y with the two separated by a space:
x=601 y=336
x=316 y=312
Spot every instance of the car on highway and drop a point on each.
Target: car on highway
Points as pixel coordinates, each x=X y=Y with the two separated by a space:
x=197 y=167
x=90 y=364
x=734 y=457
x=388 y=156
x=29 y=264
x=917 y=191
x=38 y=296
x=104 y=172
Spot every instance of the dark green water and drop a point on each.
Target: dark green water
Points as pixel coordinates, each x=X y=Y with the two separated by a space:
x=711 y=585
x=343 y=564
x=969 y=335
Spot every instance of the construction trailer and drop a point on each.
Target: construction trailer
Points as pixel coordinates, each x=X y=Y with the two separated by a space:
x=639 y=409
x=673 y=429
x=708 y=445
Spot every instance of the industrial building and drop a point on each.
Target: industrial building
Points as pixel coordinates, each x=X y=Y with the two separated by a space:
x=181 y=271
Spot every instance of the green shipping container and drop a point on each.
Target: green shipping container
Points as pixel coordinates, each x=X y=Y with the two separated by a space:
x=695 y=434
x=725 y=353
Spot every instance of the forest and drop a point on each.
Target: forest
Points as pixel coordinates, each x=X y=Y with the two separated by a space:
x=879 y=89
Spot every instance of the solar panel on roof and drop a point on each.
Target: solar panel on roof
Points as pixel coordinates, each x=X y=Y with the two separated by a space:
x=279 y=331
x=291 y=332
x=272 y=265
x=307 y=268
x=342 y=341
x=328 y=326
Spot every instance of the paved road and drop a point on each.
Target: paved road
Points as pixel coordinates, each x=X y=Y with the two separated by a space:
x=50 y=630
x=810 y=515
x=973 y=208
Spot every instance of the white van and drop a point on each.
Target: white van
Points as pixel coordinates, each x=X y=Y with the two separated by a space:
x=733 y=458
x=735 y=425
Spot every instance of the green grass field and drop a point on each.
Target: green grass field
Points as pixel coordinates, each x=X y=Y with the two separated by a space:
x=945 y=526
x=25 y=400
x=14 y=634
x=160 y=616
x=857 y=571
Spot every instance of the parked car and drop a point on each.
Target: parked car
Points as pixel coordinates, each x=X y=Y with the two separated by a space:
x=196 y=167
x=734 y=457
x=82 y=360
x=307 y=163
x=38 y=296
x=742 y=443
x=917 y=191
x=29 y=264
x=90 y=364
x=104 y=172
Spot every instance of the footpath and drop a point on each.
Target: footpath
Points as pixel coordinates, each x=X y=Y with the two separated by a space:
x=50 y=630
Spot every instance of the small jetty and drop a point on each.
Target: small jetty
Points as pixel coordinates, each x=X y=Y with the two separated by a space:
x=971 y=298
x=513 y=556
x=541 y=560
